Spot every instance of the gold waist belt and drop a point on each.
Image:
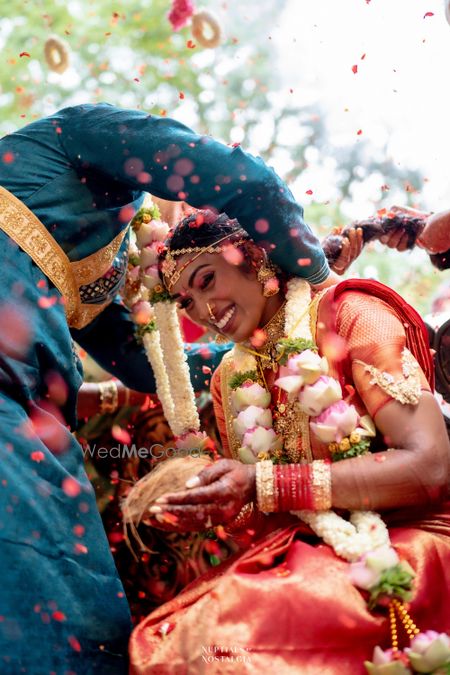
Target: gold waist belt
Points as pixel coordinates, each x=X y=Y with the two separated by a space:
x=19 y=223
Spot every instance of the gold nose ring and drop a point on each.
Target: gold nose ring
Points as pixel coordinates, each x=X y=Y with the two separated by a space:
x=211 y=313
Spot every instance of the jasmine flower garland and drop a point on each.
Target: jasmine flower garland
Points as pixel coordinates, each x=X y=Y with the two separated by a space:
x=160 y=328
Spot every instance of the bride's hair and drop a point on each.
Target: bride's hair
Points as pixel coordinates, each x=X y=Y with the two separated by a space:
x=204 y=228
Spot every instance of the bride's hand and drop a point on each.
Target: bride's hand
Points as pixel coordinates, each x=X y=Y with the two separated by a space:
x=214 y=497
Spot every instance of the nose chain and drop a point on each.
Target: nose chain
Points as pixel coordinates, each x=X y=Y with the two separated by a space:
x=211 y=313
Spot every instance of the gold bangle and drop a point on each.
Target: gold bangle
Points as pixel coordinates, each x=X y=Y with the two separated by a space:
x=242 y=519
x=265 y=489
x=321 y=485
x=109 y=397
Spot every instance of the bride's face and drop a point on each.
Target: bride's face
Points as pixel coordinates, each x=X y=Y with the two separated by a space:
x=223 y=297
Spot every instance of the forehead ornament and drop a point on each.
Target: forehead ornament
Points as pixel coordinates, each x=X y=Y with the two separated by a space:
x=172 y=274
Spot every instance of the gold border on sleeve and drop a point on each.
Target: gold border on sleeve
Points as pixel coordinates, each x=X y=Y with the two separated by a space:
x=97 y=264
x=19 y=223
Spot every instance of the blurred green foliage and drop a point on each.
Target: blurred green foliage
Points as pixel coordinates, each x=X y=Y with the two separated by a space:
x=126 y=53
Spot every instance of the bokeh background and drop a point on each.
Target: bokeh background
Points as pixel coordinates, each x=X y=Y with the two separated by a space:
x=346 y=99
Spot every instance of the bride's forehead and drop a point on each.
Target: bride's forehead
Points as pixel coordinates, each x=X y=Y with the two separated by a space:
x=219 y=260
x=188 y=266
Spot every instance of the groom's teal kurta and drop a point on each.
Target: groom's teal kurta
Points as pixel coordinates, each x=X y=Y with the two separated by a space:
x=79 y=171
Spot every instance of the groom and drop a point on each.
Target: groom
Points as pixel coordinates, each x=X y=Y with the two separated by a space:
x=69 y=185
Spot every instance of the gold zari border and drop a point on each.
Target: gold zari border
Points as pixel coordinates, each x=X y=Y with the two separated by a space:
x=23 y=227
x=94 y=266
x=29 y=233
x=225 y=374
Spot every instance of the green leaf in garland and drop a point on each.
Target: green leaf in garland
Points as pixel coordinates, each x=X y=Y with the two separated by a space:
x=442 y=670
x=238 y=379
x=395 y=582
x=160 y=295
x=357 y=449
x=149 y=327
x=138 y=218
x=288 y=346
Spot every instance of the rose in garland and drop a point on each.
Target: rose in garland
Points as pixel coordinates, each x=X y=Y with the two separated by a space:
x=337 y=421
x=429 y=651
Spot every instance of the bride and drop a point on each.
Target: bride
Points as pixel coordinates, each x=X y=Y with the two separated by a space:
x=330 y=432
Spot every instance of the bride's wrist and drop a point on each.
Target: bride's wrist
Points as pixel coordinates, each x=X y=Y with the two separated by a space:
x=293 y=487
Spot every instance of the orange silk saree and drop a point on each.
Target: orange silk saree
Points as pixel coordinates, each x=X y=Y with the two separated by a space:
x=286 y=604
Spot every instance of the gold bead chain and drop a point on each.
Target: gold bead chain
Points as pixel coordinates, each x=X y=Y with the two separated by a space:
x=393 y=627
x=409 y=625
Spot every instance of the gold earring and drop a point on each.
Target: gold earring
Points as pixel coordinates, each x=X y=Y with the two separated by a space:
x=267 y=277
x=211 y=313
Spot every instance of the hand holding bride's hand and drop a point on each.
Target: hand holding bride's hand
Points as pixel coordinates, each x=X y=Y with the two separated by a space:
x=213 y=497
x=398 y=238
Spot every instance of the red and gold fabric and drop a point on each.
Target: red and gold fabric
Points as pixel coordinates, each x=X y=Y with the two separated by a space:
x=286 y=604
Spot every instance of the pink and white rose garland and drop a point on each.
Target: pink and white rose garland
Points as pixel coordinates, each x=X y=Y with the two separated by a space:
x=305 y=378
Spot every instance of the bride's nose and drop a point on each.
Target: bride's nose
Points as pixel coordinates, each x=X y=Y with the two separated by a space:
x=211 y=313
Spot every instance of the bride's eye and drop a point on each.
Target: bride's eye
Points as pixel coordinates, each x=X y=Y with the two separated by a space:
x=206 y=280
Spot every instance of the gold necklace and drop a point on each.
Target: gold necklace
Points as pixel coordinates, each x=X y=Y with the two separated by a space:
x=289 y=422
x=274 y=330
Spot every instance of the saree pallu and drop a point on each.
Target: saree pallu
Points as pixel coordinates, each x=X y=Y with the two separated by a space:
x=287 y=606
x=62 y=604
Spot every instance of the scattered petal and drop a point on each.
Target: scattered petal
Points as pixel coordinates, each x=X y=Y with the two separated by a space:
x=262 y=225
x=73 y=642
x=71 y=487
x=120 y=434
x=59 y=616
